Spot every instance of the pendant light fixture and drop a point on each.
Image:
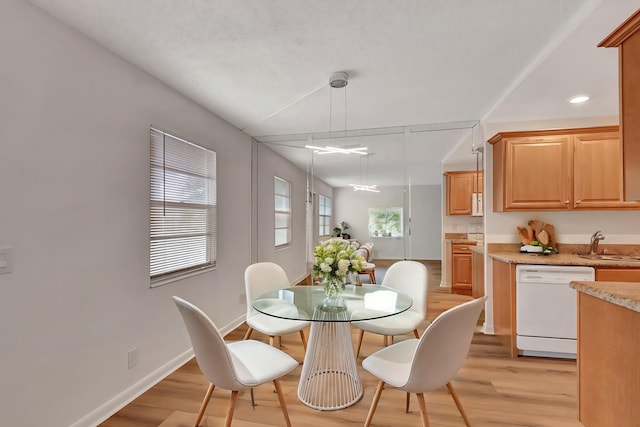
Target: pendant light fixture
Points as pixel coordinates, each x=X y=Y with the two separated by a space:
x=338 y=80
x=364 y=184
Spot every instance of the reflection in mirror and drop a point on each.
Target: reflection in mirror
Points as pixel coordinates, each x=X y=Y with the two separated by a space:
x=405 y=165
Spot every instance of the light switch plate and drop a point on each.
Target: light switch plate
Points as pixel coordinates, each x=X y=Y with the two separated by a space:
x=5 y=260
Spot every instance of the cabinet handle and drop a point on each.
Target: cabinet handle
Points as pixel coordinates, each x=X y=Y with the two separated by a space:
x=566 y=202
x=578 y=202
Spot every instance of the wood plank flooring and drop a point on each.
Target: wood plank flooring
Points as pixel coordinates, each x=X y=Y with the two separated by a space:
x=495 y=390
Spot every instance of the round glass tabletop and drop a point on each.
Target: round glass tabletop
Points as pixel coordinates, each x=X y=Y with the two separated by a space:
x=356 y=303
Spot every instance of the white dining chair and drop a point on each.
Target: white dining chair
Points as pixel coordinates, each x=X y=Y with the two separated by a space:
x=234 y=366
x=260 y=278
x=425 y=364
x=408 y=277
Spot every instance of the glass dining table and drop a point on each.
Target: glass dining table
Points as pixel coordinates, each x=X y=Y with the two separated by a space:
x=329 y=378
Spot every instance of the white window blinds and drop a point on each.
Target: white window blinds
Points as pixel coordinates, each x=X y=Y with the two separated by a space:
x=282 y=190
x=183 y=207
x=324 y=215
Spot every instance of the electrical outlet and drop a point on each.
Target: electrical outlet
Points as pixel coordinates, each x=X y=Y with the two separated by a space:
x=132 y=358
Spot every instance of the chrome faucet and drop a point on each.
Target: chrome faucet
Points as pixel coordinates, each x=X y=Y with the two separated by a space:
x=595 y=239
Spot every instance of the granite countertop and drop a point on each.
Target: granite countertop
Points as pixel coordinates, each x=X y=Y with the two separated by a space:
x=513 y=257
x=624 y=294
x=477 y=248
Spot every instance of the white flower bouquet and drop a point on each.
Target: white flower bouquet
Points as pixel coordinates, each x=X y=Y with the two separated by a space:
x=334 y=260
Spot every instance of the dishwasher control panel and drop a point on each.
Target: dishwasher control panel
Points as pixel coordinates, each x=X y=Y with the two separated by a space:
x=557 y=274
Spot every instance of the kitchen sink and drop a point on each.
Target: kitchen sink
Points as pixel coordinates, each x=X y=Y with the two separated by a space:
x=607 y=257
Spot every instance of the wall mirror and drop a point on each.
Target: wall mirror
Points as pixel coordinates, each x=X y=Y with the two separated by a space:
x=403 y=163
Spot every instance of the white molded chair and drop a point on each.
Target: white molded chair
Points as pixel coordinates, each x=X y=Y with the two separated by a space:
x=425 y=364
x=408 y=277
x=234 y=366
x=259 y=279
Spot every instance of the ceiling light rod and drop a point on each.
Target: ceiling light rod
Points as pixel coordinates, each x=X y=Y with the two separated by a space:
x=333 y=150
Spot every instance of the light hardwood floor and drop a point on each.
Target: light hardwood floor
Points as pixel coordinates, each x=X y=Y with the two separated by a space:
x=495 y=390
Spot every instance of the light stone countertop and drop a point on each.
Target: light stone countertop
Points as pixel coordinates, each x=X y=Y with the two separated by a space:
x=513 y=257
x=624 y=294
x=477 y=248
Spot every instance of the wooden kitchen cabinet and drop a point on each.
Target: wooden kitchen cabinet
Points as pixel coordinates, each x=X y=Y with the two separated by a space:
x=608 y=355
x=627 y=39
x=461 y=269
x=597 y=172
x=504 y=304
x=477 y=281
x=460 y=187
x=565 y=169
x=605 y=274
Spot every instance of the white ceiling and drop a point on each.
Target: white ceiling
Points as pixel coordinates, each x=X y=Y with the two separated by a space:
x=264 y=65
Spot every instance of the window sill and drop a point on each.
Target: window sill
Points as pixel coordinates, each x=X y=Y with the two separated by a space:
x=179 y=276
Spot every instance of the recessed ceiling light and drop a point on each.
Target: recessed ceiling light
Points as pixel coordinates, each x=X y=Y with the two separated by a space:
x=578 y=99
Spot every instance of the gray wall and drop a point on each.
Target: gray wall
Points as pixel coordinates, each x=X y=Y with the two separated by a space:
x=293 y=257
x=426 y=218
x=74 y=186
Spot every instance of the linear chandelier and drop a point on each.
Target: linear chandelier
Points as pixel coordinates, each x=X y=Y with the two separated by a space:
x=340 y=150
x=361 y=187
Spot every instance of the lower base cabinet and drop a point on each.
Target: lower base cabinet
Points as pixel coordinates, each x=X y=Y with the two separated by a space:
x=608 y=355
x=461 y=269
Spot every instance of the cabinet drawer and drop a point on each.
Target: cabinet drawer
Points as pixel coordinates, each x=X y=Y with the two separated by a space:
x=618 y=274
x=461 y=249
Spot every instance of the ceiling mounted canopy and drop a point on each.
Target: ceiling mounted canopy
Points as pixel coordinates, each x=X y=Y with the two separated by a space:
x=338 y=80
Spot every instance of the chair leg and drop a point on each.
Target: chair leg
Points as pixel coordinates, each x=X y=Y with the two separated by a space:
x=423 y=410
x=416 y=333
x=253 y=399
x=374 y=403
x=232 y=407
x=388 y=340
x=205 y=402
x=359 y=342
x=248 y=333
x=283 y=404
x=272 y=341
x=372 y=277
x=454 y=395
x=304 y=340
x=406 y=408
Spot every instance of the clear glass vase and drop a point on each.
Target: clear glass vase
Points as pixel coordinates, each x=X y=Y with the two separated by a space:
x=333 y=287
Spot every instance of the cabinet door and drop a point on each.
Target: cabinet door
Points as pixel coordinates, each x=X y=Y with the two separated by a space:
x=462 y=272
x=459 y=189
x=537 y=173
x=597 y=172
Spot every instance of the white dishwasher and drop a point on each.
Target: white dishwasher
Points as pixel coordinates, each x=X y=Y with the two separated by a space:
x=546 y=309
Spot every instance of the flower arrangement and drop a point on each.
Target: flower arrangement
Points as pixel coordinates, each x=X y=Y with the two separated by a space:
x=334 y=260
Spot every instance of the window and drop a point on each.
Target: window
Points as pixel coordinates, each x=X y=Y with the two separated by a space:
x=183 y=208
x=324 y=215
x=385 y=222
x=282 y=211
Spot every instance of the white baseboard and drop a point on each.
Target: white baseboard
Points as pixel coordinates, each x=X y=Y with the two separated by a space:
x=113 y=405
x=119 y=401
x=488 y=329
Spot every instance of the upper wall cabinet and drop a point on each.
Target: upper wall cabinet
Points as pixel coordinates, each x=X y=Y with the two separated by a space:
x=461 y=185
x=566 y=169
x=627 y=38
